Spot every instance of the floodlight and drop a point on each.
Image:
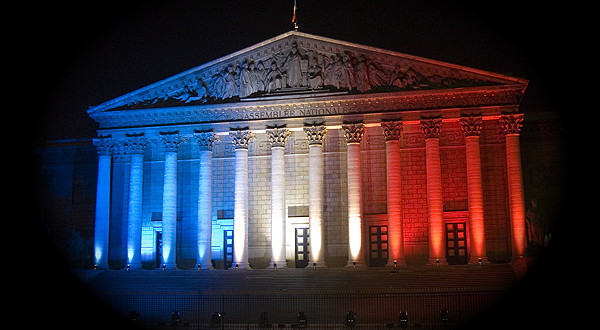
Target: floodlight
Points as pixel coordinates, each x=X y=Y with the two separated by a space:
x=350 y=319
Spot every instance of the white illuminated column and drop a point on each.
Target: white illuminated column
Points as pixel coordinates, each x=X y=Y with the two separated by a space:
x=277 y=138
x=135 y=145
x=510 y=126
x=391 y=132
x=171 y=142
x=101 y=228
x=353 y=134
x=471 y=126
x=241 y=139
x=205 y=142
x=315 y=135
x=435 y=203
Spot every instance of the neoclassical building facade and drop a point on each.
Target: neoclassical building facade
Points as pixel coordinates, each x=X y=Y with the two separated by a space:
x=304 y=151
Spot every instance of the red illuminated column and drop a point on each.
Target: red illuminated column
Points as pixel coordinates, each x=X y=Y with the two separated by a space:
x=353 y=134
x=472 y=129
x=277 y=138
x=391 y=131
x=510 y=126
x=315 y=135
x=241 y=139
x=435 y=203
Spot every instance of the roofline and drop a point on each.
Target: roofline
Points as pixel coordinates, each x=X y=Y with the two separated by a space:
x=105 y=105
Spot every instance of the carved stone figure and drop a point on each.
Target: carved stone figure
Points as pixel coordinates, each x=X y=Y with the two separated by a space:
x=362 y=75
x=292 y=67
x=245 y=77
x=274 y=78
x=315 y=79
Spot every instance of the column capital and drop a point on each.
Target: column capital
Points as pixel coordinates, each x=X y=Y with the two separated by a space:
x=278 y=136
x=511 y=123
x=135 y=143
x=392 y=130
x=353 y=132
x=241 y=138
x=206 y=139
x=315 y=134
x=471 y=125
x=104 y=145
x=432 y=127
x=171 y=141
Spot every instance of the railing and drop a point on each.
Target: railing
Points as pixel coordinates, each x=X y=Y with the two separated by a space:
x=424 y=309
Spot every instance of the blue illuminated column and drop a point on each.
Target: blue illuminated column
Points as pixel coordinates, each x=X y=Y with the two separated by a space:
x=205 y=142
x=104 y=145
x=353 y=134
x=315 y=135
x=134 y=146
x=241 y=139
x=171 y=142
x=277 y=138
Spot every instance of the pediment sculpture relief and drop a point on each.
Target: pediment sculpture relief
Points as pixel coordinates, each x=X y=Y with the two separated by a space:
x=296 y=70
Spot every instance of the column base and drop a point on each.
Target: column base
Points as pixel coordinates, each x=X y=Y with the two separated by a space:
x=101 y=267
x=479 y=260
x=205 y=267
x=396 y=263
x=134 y=266
x=356 y=264
x=437 y=262
x=277 y=265
x=317 y=264
x=240 y=265
x=168 y=267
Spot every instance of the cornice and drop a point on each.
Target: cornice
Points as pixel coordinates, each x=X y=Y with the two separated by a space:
x=321 y=107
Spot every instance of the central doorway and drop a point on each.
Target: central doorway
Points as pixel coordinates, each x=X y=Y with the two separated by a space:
x=227 y=248
x=456 y=243
x=378 y=246
x=301 y=250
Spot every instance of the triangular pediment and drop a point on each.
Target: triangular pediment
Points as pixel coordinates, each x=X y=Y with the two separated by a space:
x=300 y=65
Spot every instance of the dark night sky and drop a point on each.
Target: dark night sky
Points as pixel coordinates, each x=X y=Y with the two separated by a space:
x=102 y=50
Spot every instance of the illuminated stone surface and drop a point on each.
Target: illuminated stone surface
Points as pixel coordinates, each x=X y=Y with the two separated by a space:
x=443 y=161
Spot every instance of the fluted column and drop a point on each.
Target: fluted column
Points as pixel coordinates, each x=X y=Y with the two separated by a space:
x=170 y=142
x=241 y=139
x=277 y=138
x=471 y=126
x=391 y=131
x=435 y=202
x=104 y=145
x=353 y=134
x=510 y=126
x=135 y=145
x=205 y=142
x=315 y=135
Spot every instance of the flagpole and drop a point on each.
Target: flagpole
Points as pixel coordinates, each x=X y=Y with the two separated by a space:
x=294 y=20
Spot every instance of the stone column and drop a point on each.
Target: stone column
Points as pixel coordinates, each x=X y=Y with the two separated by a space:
x=241 y=139
x=471 y=126
x=277 y=138
x=205 y=142
x=353 y=134
x=104 y=145
x=435 y=202
x=391 y=131
x=510 y=126
x=134 y=146
x=170 y=142
x=315 y=135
